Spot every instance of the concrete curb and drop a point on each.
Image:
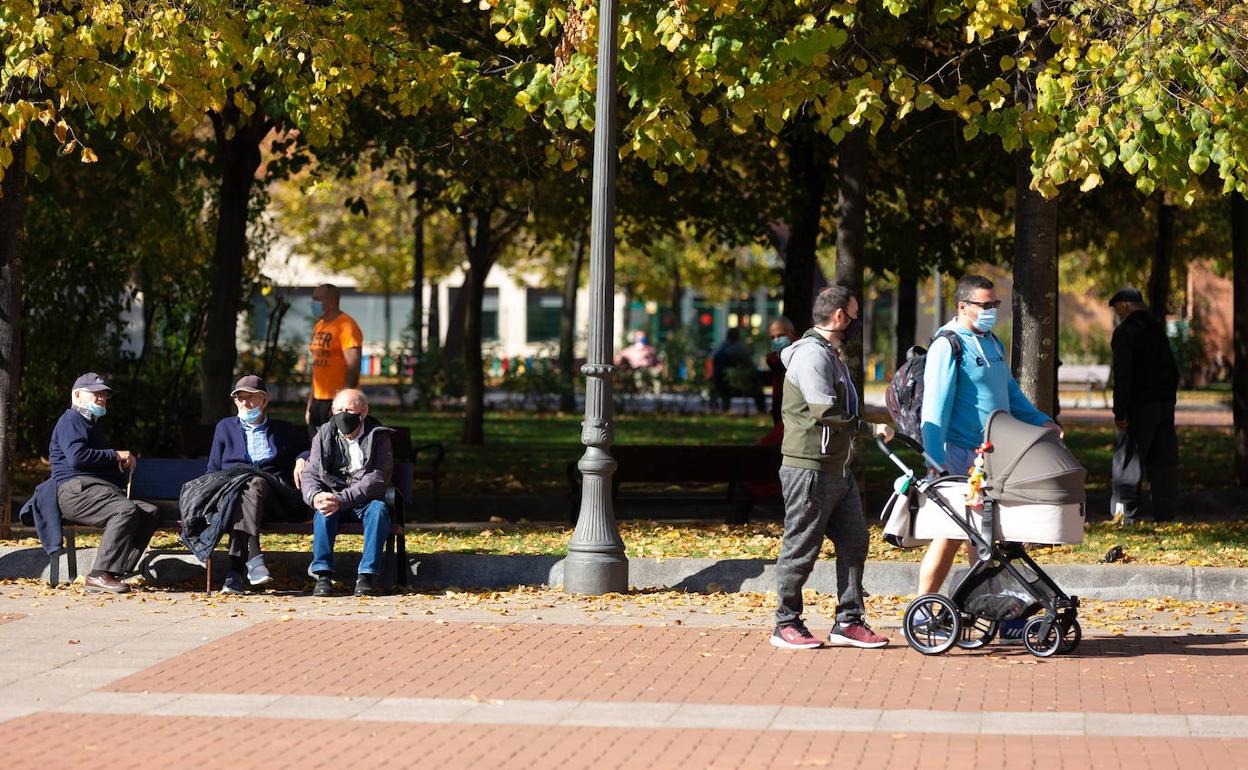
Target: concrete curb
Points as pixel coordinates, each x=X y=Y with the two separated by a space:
x=730 y=575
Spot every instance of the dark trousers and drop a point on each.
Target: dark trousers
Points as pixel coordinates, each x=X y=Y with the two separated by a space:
x=256 y=503
x=128 y=524
x=319 y=414
x=1147 y=449
x=819 y=505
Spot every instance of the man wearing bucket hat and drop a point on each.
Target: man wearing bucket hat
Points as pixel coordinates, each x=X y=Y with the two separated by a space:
x=252 y=439
x=1146 y=384
x=90 y=486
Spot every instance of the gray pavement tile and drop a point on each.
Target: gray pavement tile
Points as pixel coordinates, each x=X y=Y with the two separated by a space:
x=1156 y=725
x=1014 y=723
x=833 y=719
x=913 y=720
x=315 y=707
x=115 y=703
x=518 y=712
x=706 y=715
x=611 y=714
x=416 y=710
x=216 y=705
x=1212 y=726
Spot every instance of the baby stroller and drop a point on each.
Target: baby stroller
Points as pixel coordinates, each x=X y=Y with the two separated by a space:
x=1032 y=493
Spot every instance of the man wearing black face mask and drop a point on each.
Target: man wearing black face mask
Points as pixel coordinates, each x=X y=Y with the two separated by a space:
x=346 y=479
x=821 y=412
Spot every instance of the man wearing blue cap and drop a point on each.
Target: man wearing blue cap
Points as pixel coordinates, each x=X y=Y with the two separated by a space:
x=90 y=486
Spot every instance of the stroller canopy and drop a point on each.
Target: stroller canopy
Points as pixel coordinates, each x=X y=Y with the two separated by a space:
x=1029 y=464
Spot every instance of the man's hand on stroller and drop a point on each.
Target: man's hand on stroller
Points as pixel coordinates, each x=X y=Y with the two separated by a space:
x=881 y=430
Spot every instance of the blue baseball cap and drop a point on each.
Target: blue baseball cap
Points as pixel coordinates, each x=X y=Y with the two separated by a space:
x=91 y=382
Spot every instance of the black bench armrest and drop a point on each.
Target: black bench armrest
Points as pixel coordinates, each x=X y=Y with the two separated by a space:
x=398 y=510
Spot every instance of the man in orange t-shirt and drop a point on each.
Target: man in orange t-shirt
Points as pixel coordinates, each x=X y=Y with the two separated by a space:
x=335 y=346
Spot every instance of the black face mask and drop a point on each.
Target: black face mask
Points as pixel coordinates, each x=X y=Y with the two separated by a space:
x=346 y=422
x=851 y=331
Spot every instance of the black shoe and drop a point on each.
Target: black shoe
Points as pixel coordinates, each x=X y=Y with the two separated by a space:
x=364 y=585
x=324 y=585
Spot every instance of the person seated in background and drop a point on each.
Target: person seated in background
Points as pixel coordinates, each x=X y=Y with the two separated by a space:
x=345 y=480
x=639 y=355
x=90 y=486
x=731 y=360
x=252 y=439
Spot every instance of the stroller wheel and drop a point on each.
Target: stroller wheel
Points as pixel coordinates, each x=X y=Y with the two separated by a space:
x=1072 y=637
x=1040 y=644
x=977 y=632
x=932 y=624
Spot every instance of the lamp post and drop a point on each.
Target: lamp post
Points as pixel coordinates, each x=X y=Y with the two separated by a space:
x=596 y=563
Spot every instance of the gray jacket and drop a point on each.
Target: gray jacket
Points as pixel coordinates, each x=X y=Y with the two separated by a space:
x=326 y=470
x=820 y=407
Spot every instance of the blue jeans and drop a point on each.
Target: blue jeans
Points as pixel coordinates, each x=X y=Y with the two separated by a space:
x=376 y=520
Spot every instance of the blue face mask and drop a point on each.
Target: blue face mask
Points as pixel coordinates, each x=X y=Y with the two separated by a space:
x=780 y=343
x=318 y=309
x=986 y=320
x=250 y=415
x=97 y=410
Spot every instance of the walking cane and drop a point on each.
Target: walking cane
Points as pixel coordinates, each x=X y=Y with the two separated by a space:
x=129 y=483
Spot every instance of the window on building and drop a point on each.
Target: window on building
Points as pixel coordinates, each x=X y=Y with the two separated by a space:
x=542 y=315
x=489 y=311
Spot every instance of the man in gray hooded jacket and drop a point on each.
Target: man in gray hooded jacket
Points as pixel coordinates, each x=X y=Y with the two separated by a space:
x=822 y=417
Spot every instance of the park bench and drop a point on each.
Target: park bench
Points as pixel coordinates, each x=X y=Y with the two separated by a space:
x=195 y=440
x=730 y=469
x=1087 y=376
x=159 y=481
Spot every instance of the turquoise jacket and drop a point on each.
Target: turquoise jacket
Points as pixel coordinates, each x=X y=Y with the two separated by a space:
x=958 y=396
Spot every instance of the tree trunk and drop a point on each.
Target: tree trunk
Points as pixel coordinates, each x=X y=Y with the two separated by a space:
x=418 y=275
x=851 y=234
x=12 y=219
x=1239 y=378
x=456 y=323
x=1163 y=261
x=567 y=328
x=1035 y=290
x=435 y=316
x=481 y=250
x=238 y=158
x=907 y=309
x=808 y=181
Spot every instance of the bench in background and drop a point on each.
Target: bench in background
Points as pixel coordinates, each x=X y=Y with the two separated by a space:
x=732 y=469
x=1087 y=376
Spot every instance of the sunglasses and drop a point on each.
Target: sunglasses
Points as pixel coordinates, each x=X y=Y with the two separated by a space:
x=996 y=303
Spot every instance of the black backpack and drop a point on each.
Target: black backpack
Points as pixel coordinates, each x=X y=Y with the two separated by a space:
x=904 y=396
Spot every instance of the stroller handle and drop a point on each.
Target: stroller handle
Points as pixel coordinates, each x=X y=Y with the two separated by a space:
x=909 y=443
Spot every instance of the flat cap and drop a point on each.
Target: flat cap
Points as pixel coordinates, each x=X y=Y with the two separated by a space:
x=1126 y=294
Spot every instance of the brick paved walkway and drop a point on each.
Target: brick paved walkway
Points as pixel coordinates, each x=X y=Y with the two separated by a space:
x=100 y=683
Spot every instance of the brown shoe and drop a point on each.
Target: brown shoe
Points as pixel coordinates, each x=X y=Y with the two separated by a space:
x=105 y=582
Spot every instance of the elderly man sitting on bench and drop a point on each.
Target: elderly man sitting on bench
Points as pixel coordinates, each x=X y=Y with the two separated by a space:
x=346 y=479
x=90 y=486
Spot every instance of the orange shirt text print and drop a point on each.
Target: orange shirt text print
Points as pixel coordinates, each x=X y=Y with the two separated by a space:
x=329 y=366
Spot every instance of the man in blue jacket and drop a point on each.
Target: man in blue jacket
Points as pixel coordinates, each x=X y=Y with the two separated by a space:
x=254 y=440
x=90 y=486
x=959 y=394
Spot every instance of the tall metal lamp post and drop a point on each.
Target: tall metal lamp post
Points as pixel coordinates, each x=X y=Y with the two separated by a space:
x=596 y=563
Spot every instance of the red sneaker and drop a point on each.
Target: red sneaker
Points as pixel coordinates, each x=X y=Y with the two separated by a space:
x=857 y=634
x=794 y=637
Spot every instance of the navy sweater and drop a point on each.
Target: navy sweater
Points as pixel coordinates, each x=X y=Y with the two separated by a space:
x=80 y=448
x=229 y=448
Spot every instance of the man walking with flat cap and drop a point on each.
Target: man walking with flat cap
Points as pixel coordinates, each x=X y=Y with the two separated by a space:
x=1146 y=384
x=90 y=483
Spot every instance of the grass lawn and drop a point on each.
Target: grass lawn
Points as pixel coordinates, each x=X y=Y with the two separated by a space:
x=527 y=453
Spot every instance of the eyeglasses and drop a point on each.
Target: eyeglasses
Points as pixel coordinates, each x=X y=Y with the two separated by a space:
x=996 y=303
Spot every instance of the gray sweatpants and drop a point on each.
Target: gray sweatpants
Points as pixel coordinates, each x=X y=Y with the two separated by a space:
x=818 y=505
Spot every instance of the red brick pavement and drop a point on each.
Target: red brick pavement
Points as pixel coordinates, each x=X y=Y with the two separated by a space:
x=1142 y=675
x=103 y=742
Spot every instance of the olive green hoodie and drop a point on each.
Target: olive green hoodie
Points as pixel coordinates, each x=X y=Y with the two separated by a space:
x=820 y=407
